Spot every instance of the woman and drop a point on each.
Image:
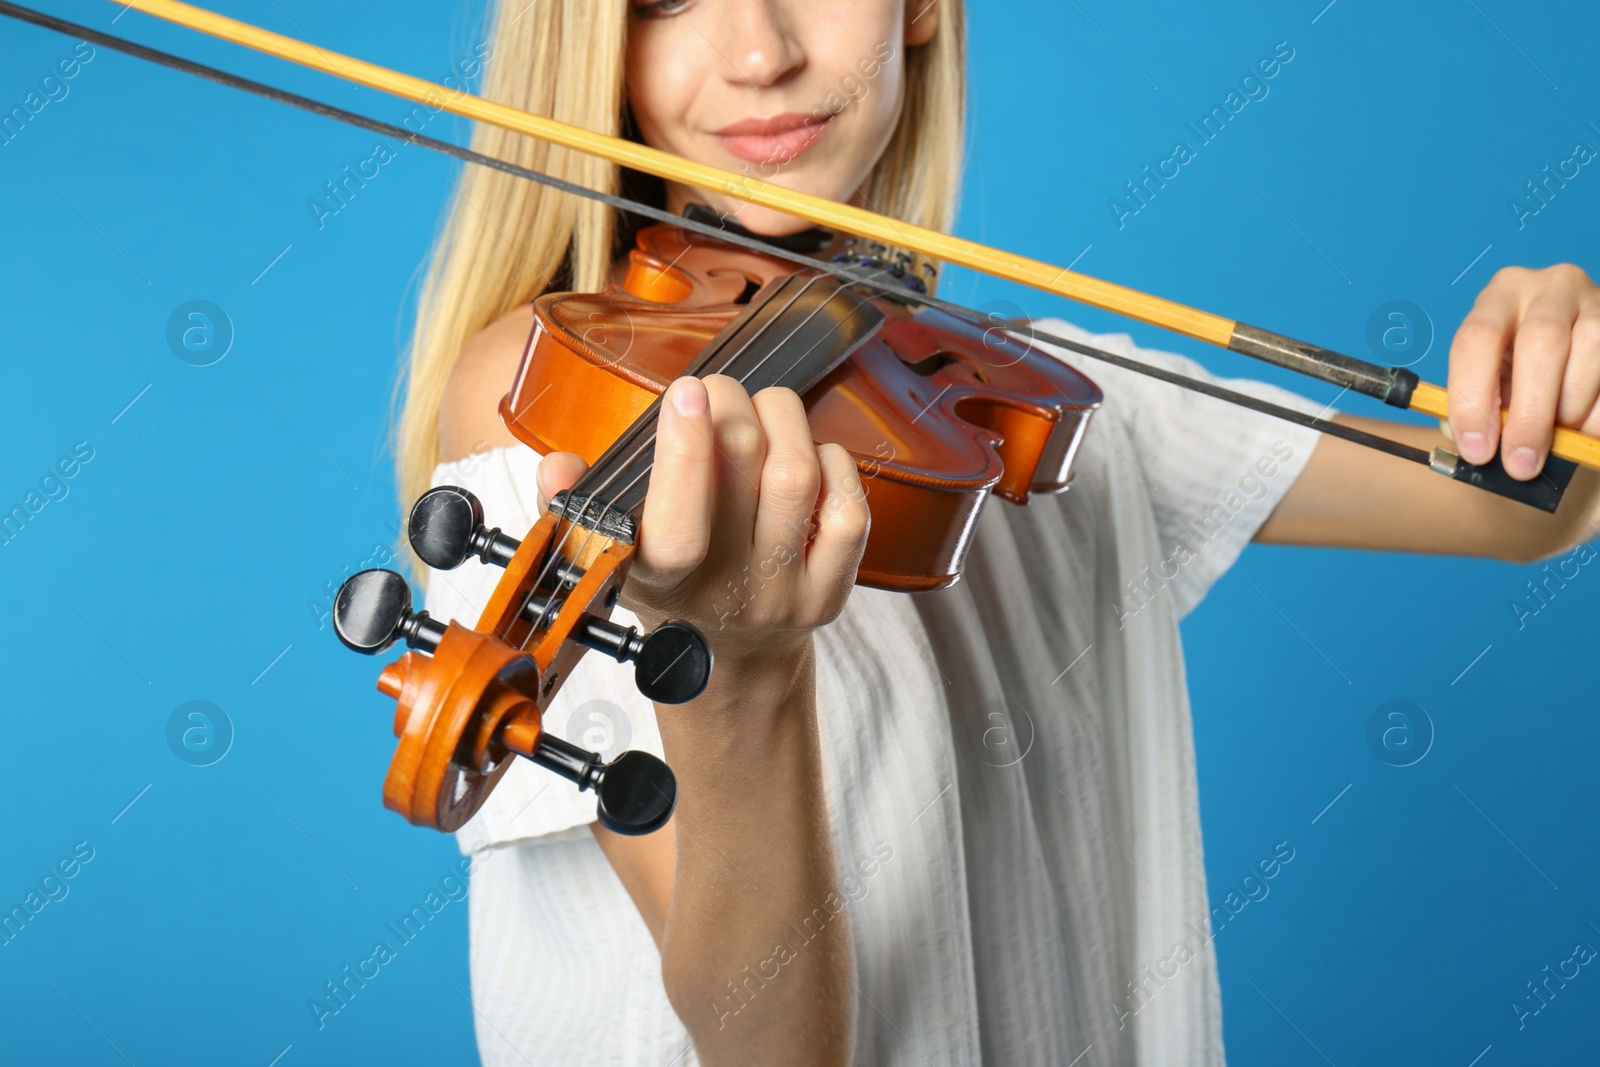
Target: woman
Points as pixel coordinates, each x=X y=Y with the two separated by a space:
x=948 y=829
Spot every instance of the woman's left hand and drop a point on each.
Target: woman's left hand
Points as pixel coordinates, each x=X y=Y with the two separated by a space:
x=1530 y=345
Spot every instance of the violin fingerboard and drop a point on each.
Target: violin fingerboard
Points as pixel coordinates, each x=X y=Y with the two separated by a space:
x=795 y=331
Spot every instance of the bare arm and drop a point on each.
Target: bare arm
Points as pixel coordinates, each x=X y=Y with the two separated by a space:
x=1531 y=345
x=747 y=857
x=745 y=862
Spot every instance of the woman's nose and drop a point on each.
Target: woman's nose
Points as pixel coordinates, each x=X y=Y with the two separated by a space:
x=759 y=46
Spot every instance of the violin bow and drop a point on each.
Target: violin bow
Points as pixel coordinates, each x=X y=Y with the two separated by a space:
x=1395 y=386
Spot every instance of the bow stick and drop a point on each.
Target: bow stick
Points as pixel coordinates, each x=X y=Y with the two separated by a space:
x=1396 y=386
x=1393 y=385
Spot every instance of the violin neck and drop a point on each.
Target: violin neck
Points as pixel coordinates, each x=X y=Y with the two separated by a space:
x=796 y=330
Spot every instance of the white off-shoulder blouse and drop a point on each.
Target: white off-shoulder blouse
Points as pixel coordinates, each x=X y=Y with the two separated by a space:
x=1009 y=768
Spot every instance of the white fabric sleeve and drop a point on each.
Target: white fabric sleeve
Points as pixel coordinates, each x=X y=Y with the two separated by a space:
x=1215 y=471
x=597 y=707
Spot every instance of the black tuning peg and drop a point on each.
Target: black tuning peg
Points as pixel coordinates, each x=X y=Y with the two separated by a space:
x=671 y=665
x=636 y=791
x=446 y=529
x=373 y=611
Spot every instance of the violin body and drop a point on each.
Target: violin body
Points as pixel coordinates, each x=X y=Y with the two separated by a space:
x=937 y=412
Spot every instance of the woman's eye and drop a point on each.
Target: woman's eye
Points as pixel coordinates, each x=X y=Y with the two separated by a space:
x=660 y=9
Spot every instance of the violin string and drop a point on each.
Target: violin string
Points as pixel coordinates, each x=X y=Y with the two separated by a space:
x=555 y=555
x=648 y=440
x=751 y=372
x=749 y=242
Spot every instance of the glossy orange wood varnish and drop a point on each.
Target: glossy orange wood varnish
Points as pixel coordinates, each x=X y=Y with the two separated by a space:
x=937 y=412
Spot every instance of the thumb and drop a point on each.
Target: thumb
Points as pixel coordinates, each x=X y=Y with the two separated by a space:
x=558 y=471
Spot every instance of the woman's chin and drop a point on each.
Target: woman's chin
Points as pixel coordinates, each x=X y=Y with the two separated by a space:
x=765 y=222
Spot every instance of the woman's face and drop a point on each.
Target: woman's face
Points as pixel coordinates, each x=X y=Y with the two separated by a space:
x=801 y=93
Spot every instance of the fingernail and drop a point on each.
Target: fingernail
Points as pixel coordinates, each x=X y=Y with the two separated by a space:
x=688 y=396
x=1524 y=460
x=1474 y=446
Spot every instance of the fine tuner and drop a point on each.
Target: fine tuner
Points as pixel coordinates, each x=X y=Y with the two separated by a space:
x=467 y=701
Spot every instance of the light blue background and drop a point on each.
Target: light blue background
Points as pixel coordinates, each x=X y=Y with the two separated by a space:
x=182 y=562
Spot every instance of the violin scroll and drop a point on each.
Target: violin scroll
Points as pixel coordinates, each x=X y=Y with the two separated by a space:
x=468 y=701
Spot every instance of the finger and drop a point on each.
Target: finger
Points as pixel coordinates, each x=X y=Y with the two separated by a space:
x=843 y=520
x=1476 y=356
x=790 y=475
x=1538 y=366
x=1580 y=392
x=675 y=526
x=741 y=447
x=558 y=472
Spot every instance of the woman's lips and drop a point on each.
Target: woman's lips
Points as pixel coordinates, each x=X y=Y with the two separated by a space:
x=775 y=140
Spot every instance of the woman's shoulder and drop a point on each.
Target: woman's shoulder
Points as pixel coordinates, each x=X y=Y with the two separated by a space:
x=469 y=414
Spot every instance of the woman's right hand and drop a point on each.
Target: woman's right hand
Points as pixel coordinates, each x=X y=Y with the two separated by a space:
x=750 y=531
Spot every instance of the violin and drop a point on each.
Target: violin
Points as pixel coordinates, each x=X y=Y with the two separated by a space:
x=937 y=413
x=938 y=406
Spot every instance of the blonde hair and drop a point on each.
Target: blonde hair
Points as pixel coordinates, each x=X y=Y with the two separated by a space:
x=506 y=240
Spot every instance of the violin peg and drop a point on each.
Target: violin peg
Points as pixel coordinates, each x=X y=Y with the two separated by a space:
x=637 y=794
x=446 y=529
x=373 y=610
x=636 y=791
x=674 y=665
x=671 y=664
